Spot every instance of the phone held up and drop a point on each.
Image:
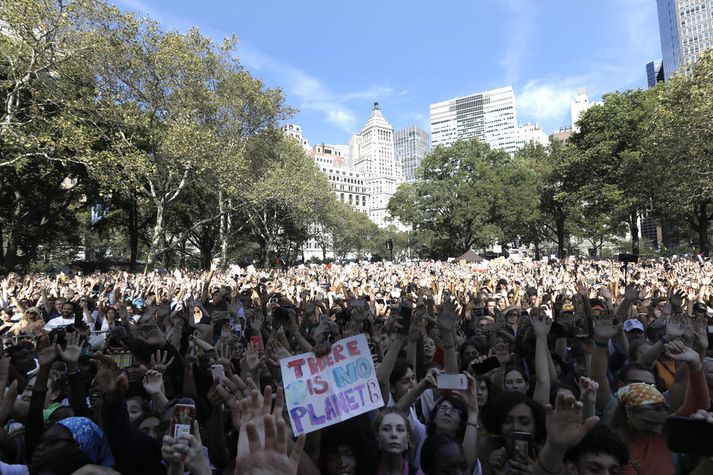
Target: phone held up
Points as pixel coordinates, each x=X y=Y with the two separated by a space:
x=182 y=421
x=451 y=381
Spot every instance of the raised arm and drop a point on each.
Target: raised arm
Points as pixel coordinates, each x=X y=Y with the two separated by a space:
x=541 y=325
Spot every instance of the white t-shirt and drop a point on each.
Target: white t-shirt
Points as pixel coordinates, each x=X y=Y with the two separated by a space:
x=60 y=322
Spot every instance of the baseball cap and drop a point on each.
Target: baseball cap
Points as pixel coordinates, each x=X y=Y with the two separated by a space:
x=633 y=324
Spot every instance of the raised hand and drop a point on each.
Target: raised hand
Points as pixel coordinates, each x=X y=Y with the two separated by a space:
x=447 y=318
x=270 y=458
x=675 y=327
x=564 y=426
x=676 y=299
x=588 y=390
x=680 y=352
x=253 y=359
x=72 y=351
x=111 y=380
x=541 y=324
x=604 y=327
x=159 y=361
x=631 y=293
x=47 y=355
x=233 y=390
x=153 y=382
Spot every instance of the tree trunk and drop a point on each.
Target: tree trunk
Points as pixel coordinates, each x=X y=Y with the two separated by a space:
x=225 y=225
x=157 y=235
x=133 y=234
x=702 y=228
x=634 y=230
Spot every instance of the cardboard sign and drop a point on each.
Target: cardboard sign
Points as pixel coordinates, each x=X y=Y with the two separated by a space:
x=323 y=391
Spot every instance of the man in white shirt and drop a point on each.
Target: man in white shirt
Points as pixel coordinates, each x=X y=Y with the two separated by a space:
x=65 y=319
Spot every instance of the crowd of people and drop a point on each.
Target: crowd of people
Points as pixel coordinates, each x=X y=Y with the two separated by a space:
x=570 y=366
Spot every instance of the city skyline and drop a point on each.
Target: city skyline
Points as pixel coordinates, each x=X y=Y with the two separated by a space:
x=334 y=61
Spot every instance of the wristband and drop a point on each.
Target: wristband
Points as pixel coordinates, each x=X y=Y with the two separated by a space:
x=473 y=424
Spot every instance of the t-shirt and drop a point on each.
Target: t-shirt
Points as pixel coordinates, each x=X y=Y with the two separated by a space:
x=60 y=322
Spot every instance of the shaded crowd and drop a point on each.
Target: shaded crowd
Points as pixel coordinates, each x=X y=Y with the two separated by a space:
x=567 y=366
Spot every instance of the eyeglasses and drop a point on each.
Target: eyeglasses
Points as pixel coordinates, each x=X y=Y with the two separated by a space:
x=447 y=408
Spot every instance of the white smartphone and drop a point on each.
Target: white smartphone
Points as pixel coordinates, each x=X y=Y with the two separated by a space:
x=456 y=382
x=217 y=372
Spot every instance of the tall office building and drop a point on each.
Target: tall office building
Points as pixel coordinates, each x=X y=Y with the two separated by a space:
x=372 y=152
x=532 y=134
x=489 y=116
x=686 y=29
x=411 y=145
x=654 y=73
x=580 y=105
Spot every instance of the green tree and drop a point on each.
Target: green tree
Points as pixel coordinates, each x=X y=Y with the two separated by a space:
x=453 y=203
x=608 y=161
x=680 y=151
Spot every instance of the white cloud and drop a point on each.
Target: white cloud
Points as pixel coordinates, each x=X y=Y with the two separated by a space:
x=520 y=27
x=547 y=102
x=303 y=90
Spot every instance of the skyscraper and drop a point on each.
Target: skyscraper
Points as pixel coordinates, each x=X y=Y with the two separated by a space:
x=373 y=157
x=579 y=106
x=686 y=29
x=411 y=145
x=654 y=73
x=489 y=116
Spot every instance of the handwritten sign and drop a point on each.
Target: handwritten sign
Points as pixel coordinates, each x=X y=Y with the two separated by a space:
x=323 y=391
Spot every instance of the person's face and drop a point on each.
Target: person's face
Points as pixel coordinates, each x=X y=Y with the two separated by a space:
x=491 y=306
x=512 y=318
x=405 y=384
x=150 y=427
x=595 y=464
x=67 y=310
x=469 y=352
x=393 y=434
x=54 y=440
x=429 y=347
x=648 y=417
x=634 y=335
x=514 y=382
x=482 y=393
x=135 y=408
x=448 y=418
x=341 y=462
x=217 y=298
x=110 y=314
x=449 y=460
x=501 y=304
x=519 y=419
x=129 y=310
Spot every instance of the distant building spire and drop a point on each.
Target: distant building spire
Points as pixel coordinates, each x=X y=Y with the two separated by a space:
x=376 y=106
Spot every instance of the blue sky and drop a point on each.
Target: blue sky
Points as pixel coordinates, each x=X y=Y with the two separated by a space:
x=334 y=58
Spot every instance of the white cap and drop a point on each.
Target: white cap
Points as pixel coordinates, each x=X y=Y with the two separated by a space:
x=633 y=324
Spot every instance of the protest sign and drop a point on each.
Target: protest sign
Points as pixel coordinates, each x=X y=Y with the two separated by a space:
x=325 y=390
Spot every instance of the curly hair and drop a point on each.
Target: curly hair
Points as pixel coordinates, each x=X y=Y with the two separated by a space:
x=497 y=409
x=458 y=404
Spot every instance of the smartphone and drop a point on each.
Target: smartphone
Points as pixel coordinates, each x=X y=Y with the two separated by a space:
x=182 y=420
x=257 y=341
x=486 y=365
x=218 y=373
x=452 y=381
x=123 y=359
x=519 y=447
x=689 y=436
